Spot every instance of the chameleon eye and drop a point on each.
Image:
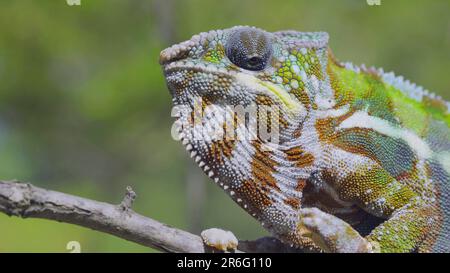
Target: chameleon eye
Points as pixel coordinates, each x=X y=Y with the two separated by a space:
x=249 y=48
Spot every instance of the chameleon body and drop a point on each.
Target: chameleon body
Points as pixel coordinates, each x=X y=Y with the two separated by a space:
x=362 y=158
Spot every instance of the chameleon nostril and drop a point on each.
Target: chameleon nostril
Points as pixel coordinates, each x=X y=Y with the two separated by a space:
x=164 y=57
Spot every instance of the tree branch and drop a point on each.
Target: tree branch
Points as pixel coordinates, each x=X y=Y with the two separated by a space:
x=28 y=201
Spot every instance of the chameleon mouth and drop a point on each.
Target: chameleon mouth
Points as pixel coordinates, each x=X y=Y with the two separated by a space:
x=188 y=84
x=247 y=80
x=196 y=67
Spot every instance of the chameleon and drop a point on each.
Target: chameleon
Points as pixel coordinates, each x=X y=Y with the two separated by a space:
x=360 y=161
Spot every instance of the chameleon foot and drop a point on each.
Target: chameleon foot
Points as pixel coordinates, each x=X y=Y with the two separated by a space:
x=331 y=233
x=219 y=239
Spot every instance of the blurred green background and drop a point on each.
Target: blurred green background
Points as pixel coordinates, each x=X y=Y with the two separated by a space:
x=84 y=108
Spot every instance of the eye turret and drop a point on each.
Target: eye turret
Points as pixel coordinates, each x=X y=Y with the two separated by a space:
x=249 y=48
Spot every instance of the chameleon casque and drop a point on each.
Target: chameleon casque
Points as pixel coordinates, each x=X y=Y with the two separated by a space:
x=362 y=160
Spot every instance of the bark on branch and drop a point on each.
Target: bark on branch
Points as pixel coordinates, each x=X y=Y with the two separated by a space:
x=28 y=201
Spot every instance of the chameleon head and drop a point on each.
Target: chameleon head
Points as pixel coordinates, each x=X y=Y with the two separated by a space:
x=239 y=93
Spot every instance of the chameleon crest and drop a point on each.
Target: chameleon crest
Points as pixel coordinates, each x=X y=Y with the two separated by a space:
x=326 y=155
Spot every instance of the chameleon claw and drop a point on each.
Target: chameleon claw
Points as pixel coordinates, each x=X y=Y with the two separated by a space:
x=219 y=239
x=331 y=233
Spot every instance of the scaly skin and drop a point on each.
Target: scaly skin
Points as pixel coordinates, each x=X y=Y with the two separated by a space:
x=363 y=157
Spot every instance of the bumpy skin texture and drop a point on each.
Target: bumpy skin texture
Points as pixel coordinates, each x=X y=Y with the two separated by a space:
x=363 y=159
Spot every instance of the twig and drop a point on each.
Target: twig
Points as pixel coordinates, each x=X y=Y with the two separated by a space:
x=28 y=201
x=128 y=200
